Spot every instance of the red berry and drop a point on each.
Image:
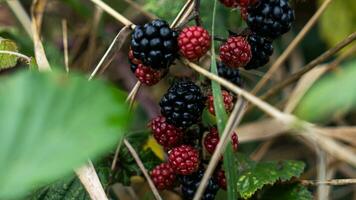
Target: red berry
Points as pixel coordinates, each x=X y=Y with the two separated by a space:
x=236 y=52
x=147 y=75
x=220 y=176
x=194 y=42
x=237 y=3
x=184 y=159
x=211 y=140
x=166 y=135
x=163 y=176
x=228 y=102
x=132 y=59
x=243 y=12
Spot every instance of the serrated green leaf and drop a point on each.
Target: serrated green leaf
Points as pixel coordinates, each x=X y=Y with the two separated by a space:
x=7 y=60
x=338 y=20
x=334 y=94
x=254 y=176
x=288 y=191
x=51 y=123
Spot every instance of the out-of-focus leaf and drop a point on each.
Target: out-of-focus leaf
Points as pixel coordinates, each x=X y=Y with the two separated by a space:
x=334 y=94
x=254 y=176
x=8 y=60
x=288 y=191
x=338 y=21
x=51 y=123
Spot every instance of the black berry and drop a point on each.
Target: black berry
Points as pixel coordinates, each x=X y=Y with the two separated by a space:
x=230 y=74
x=270 y=18
x=261 y=48
x=155 y=44
x=183 y=104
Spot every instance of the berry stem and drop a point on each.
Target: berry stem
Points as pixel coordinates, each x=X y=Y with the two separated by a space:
x=219 y=38
x=198 y=21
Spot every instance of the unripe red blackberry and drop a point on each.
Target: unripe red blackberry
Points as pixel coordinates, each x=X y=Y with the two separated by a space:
x=194 y=42
x=237 y=3
x=228 y=102
x=147 y=75
x=184 y=159
x=166 y=134
x=212 y=139
x=163 y=176
x=221 y=179
x=235 y=52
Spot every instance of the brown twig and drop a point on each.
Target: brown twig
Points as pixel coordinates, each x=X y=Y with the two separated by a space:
x=143 y=169
x=292 y=46
x=322 y=58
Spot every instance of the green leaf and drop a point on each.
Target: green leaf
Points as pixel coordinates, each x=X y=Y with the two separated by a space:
x=51 y=123
x=254 y=176
x=288 y=191
x=221 y=118
x=338 y=20
x=7 y=60
x=334 y=94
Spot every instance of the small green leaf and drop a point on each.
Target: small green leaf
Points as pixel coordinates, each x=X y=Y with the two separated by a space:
x=288 y=191
x=334 y=94
x=33 y=64
x=7 y=60
x=253 y=176
x=52 y=123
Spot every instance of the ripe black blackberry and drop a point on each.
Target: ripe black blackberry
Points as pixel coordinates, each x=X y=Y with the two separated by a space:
x=261 y=48
x=191 y=183
x=230 y=74
x=183 y=104
x=270 y=18
x=155 y=44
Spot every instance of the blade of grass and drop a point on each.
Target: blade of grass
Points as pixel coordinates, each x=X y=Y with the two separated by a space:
x=221 y=118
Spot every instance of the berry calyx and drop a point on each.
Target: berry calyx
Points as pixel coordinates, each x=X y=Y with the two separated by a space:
x=166 y=134
x=235 y=52
x=212 y=139
x=228 y=102
x=183 y=104
x=163 y=176
x=155 y=44
x=184 y=159
x=194 y=42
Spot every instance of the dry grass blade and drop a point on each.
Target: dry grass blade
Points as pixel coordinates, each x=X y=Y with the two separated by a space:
x=292 y=46
x=185 y=9
x=65 y=44
x=345 y=134
x=234 y=120
x=117 y=43
x=143 y=169
x=90 y=180
x=261 y=130
x=133 y=93
x=21 y=15
x=113 y=13
x=328 y=182
x=40 y=55
x=322 y=58
x=303 y=86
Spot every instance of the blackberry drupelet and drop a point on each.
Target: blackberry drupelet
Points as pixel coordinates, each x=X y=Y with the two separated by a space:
x=261 y=49
x=155 y=44
x=270 y=18
x=183 y=104
x=230 y=74
x=191 y=182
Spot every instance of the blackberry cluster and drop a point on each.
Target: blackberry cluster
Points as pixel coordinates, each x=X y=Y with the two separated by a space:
x=261 y=49
x=191 y=183
x=183 y=104
x=155 y=44
x=270 y=18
